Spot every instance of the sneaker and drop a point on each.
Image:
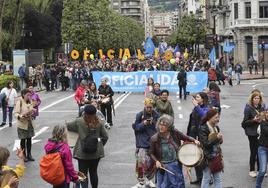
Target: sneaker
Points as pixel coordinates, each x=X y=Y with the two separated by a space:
x=252 y=174
x=10 y=124
x=139 y=185
x=107 y=126
x=150 y=184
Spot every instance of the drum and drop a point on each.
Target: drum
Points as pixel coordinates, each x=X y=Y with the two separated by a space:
x=190 y=154
x=105 y=100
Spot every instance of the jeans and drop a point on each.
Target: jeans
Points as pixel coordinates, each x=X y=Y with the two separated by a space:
x=253 y=145
x=238 y=78
x=217 y=177
x=10 y=113
x=263 y=157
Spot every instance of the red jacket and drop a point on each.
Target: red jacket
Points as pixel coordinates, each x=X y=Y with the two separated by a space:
x=79 y=94
x=212 y=74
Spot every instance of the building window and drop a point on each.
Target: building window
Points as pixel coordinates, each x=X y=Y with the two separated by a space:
x=235 y=10
x=248 y=9
x=263 y=9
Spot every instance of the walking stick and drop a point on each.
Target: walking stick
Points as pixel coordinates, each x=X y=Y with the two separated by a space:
x=167 y=170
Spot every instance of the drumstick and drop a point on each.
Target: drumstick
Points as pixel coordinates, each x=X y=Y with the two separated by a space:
x=167 y=170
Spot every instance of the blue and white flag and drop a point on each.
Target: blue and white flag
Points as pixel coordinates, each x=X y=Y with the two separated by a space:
x=161 y=49
x=212 y=57
x=228 y=47
x=177 y=49
x=149 y=46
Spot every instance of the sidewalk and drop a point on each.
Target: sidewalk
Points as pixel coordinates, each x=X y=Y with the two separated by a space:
x=247 y=76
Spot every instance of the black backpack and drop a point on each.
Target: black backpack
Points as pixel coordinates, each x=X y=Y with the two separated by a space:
x=89 y=144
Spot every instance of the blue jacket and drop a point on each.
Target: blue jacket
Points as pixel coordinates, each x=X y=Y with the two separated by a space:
x=143 y=133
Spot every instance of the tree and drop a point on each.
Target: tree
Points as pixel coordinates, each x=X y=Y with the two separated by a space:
x=187 y=33
x=2 y=8
x=95 y=26
x=15 y=24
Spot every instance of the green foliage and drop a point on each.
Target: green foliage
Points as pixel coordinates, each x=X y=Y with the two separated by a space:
x=5 y=78
x=94 y=25
x=188 y=33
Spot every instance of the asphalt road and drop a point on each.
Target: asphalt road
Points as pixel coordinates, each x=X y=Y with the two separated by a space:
x=116 y=170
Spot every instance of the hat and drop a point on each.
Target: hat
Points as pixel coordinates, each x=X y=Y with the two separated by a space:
x=90 y=109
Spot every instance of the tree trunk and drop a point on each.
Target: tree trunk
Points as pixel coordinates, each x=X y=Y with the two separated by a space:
x=15 y=25
x=2 y=5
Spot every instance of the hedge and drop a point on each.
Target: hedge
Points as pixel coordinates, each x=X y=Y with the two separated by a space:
x=5 y=78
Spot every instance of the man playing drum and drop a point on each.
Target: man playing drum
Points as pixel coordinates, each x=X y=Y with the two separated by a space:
x=164 y=146
x=145 y=127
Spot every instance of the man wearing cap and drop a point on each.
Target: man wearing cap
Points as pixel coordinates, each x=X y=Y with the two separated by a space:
x=106 y=93
x=144 y=127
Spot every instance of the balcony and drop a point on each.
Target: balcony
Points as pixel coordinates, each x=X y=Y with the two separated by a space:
x=259 y=22
x=131 y=7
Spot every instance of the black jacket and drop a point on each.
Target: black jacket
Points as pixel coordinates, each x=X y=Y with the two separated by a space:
x=182 y=78
x=207 y=145
x=248 y=123
x=263 y=140
x=107 y=91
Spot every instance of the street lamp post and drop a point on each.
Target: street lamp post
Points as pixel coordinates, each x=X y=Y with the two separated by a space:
x=263 y=50
x=24 y=33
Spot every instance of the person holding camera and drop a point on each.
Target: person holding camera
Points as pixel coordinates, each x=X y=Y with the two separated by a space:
x=144 y=127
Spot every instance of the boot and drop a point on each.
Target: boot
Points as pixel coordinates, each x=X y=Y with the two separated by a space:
x=25 y=158
x=30 y=158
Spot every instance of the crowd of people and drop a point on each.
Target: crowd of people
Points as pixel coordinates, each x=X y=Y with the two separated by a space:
x=68 y=75
x=157 y=140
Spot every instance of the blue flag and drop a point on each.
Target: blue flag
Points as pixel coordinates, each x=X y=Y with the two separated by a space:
x=177 y=49
x=228 y=47
x=149 y=46
x=161 y=49
x=212 y=57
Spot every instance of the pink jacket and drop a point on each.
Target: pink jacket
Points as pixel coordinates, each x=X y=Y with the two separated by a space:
x=66 y=156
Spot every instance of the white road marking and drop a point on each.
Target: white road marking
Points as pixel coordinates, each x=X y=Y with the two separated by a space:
x=259 y=84
x=179 y=107
x=247 y=83
x=121 y=100
x=56 y=102
x=225 y=106
x=17 y=142
x=180 y=116
x=59 y=111
x=118 y=98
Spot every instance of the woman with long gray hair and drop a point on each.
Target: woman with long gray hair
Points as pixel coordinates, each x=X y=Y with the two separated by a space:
x=163 y=150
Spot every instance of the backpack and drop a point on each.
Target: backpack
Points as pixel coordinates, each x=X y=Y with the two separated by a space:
x=89 y=144
x=51 y=167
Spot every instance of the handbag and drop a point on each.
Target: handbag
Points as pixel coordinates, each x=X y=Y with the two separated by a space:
x=216 y=164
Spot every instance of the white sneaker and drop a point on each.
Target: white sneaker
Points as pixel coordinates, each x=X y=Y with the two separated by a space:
x=252 y=174
x=139 y=185
x=265 y=175
x=150 y=184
